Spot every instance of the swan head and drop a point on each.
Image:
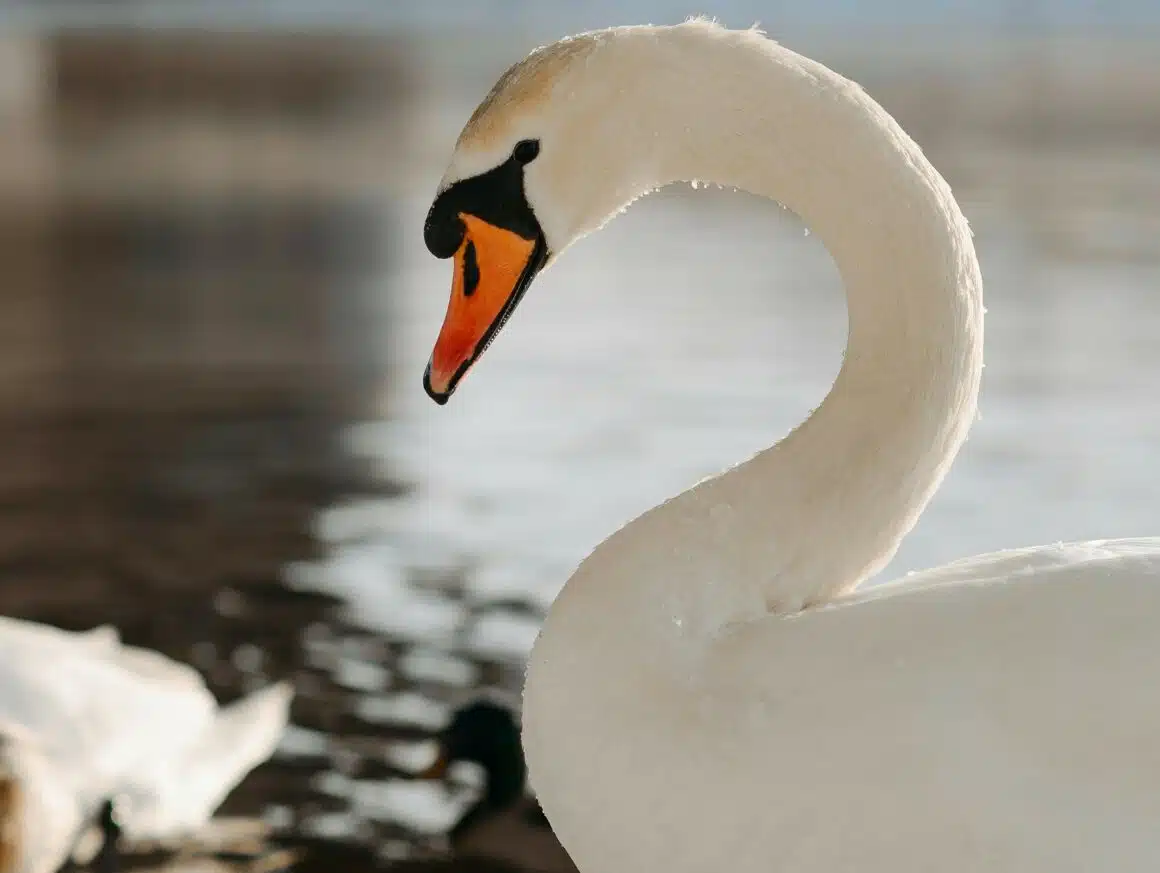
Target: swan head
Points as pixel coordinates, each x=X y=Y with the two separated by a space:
x=551 y=153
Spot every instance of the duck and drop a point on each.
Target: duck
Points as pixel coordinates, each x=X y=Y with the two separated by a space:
x=506 y=825
x=715 y=684
x=97 y=737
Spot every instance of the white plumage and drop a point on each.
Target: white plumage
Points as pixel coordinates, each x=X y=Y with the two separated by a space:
x=85 y=719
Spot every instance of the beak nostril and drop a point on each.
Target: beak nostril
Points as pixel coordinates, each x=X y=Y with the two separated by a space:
x=470 y=269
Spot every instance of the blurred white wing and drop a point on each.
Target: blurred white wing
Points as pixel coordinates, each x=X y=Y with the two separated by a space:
x=182 y=791
x=88 y=718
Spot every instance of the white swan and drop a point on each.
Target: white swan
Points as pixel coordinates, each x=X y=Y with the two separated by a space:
x=708 y=691
x=85 y=719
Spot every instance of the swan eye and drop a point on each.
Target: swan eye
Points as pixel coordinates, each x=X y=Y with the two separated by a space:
x=526 y=151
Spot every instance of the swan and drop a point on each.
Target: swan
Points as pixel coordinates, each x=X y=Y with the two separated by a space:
x=711 y=689
x=86 y=721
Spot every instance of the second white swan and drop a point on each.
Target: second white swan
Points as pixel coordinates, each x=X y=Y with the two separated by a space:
x=86 y=720
x=709 y=691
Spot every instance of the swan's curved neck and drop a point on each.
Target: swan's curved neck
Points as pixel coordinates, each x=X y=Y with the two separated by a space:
x=828 y=505
x=819 y=511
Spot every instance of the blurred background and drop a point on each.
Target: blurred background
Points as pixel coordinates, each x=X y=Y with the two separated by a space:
x=217 y=306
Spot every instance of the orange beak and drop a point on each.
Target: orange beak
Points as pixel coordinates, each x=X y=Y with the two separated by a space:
x=493 y=268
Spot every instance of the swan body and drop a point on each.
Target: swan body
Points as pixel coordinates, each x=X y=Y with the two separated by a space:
x=711 y=690
x=85 y=719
